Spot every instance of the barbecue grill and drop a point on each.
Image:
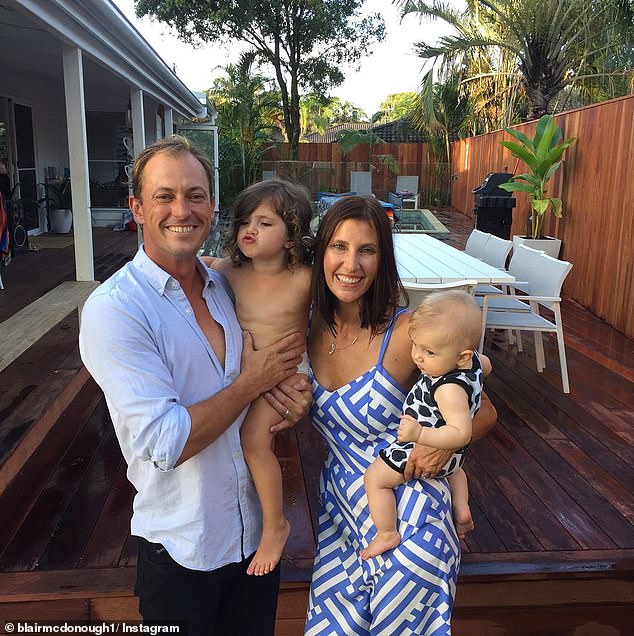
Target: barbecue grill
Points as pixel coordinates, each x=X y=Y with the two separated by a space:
x=493 y=206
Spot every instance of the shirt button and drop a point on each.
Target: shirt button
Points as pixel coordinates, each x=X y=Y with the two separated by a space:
x=188 y=311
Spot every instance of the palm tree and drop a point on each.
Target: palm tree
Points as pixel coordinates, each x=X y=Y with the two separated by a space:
x=248 y=110
x=443 y=110
x=546 y=45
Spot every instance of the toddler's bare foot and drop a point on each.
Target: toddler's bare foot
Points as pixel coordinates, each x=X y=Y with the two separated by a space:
x=270 y=549
x=382 y=542
x=463 y=520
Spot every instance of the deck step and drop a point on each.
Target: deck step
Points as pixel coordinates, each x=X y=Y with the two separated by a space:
x=28 y=325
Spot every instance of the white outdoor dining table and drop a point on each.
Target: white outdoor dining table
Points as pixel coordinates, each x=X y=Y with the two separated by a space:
x=423 y=259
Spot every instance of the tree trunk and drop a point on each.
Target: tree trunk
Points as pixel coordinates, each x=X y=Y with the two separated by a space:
x=539 y=102
x=295 y=120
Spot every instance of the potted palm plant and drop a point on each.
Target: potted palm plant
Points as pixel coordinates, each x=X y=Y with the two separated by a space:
x=57 y=198
x=542 y=155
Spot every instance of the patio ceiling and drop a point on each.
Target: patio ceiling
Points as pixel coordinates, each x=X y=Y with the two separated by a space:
x=32 y=34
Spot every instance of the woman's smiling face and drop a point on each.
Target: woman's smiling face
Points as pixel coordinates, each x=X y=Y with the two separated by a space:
x=351 y=260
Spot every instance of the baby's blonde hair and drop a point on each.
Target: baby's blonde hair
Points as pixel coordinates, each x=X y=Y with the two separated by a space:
x=454 y=313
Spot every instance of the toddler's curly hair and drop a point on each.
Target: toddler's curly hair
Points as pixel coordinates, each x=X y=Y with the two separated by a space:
x=292 y=204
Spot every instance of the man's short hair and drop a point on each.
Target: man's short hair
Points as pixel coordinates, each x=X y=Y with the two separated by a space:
x=176 y=145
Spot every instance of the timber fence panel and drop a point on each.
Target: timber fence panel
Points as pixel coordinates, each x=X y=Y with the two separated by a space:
x=596 y=185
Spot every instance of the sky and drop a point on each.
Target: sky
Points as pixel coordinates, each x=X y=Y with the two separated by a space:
x=391 y=68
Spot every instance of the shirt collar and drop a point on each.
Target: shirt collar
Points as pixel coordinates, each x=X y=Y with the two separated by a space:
x=158 y=277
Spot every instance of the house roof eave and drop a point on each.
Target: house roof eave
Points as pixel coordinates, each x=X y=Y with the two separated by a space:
x=102 y=31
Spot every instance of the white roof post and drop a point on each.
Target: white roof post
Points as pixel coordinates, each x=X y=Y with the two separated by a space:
x=138 y=120
x=169 y=121
x=138 y=132
x=78 y=153
x=216 y=171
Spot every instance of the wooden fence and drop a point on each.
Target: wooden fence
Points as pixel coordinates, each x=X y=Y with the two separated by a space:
x=321 y=167
x=596 y=185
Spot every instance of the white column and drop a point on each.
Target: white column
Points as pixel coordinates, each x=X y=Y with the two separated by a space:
x=138 y=120
x=169 y=121
x=138 y=132
x=216 y=171
x=78 y=153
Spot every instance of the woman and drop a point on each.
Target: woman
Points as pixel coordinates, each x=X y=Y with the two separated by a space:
x=362 y=369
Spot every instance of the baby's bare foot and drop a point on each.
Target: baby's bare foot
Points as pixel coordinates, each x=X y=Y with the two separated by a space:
x=382 y=542
x=463 y=520
x=270 y=549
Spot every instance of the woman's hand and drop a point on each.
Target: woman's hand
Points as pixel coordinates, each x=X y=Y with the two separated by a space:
x=291 y=398
x=485 y=419
x=425 y=462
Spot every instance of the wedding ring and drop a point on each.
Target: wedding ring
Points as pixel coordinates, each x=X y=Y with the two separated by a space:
x=286 y=414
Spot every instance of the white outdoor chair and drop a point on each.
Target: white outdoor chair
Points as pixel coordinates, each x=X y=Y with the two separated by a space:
x=361 y=183
x=495 y=253
x=521 y=266
x=476 y=242
x=418 y=291
x=544 y=287
x=408 y=184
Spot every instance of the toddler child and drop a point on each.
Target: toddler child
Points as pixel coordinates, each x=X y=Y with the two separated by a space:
x=438 y=412
x=268 y=269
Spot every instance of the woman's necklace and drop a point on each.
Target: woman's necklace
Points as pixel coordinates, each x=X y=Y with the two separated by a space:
x=333 y=344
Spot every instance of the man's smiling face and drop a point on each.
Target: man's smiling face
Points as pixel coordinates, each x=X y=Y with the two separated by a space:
x=175 y=208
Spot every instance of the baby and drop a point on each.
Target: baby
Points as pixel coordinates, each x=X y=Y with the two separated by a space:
x=438 y=412
x=268 y=270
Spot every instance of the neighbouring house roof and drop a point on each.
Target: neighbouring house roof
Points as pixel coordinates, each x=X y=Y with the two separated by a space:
x=332 y=134
x=399 y=132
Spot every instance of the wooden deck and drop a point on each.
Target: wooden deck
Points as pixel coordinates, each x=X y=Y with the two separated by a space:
x=551 y=486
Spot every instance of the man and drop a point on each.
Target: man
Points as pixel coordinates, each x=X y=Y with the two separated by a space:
x=162 y=340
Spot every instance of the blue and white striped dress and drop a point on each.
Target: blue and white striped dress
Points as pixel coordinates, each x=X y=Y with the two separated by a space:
x=408 y=590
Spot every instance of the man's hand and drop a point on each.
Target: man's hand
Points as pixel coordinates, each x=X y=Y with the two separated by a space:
x=291 y=399
x=408 y=429
x=425 y=462
x=263 y=369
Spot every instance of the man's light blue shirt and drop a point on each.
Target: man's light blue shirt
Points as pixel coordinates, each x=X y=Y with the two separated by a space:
x=141 y=342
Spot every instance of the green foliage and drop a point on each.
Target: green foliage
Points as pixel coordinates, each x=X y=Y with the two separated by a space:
x=318 y=113
x=345 y=112
x=350 y=139
x=396 y=106
x=305 y=41
x=538 y=52
x=542 y=154
x=249 y=111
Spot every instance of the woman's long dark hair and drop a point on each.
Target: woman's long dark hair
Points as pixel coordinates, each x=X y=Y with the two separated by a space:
x=382 y=299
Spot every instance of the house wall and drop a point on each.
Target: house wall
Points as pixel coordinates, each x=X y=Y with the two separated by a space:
x=46 y=98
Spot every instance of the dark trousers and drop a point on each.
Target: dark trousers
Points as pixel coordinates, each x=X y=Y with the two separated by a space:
x=223 y=602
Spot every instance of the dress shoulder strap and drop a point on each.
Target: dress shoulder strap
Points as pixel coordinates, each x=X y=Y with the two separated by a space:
x=388 y=332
